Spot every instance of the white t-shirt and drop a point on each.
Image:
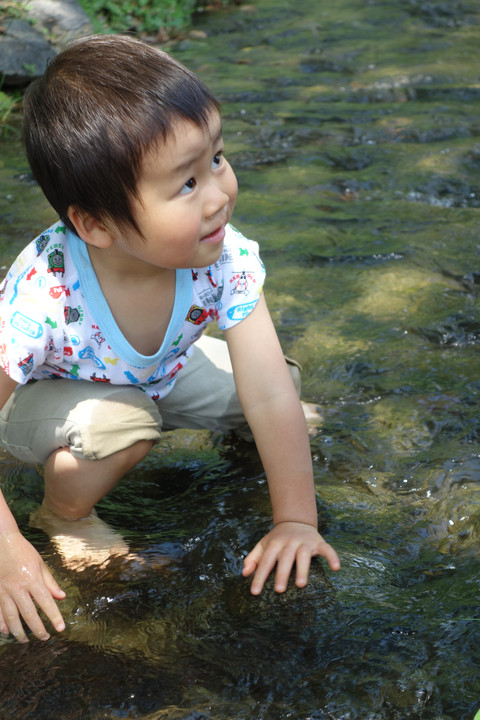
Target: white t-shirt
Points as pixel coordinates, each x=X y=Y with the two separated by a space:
x=55 y=321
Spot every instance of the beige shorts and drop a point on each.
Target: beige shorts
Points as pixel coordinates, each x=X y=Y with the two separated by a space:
x=96 y=419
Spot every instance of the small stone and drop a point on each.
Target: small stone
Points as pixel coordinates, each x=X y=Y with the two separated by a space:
x=197 y=34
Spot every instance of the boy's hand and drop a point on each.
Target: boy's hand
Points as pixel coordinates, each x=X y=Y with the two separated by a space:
x=24 y=581
x=287 y=544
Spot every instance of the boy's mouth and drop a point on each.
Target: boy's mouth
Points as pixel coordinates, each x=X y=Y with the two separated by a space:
x=214 y=237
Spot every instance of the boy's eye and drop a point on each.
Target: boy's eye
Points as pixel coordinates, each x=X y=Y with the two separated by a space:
x=189 y=186
x=217 y=159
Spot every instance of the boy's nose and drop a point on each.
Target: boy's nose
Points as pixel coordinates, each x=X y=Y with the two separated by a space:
x=217 y=200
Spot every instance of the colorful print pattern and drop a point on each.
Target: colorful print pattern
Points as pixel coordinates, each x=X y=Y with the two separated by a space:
x=51 y=328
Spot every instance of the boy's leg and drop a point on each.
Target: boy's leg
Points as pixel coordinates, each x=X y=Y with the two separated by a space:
x=88 y=436
x=73 y=486
x=205 y=396
x=93 y=420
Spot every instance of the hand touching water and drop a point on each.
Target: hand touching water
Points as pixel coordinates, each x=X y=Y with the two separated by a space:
x=24 y=581
x=288 y=543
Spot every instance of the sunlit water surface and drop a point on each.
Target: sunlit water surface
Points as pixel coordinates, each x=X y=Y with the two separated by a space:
x=353 y=127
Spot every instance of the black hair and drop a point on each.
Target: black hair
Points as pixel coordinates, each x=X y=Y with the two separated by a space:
x=103 y=102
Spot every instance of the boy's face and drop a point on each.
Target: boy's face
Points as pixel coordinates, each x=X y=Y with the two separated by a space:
x=186 y=195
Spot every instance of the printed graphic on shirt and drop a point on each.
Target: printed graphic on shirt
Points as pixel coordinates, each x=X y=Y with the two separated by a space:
x=49 y=330
x=26 y=365
x=56 y=263
x=197 y=315
x=241 y=283
x=27 y=326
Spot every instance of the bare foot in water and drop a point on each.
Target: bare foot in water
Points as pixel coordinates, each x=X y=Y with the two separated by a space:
x=313 y=417
x=84 y=542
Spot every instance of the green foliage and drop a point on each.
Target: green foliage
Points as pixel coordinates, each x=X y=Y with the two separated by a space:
x=9 y=104
x=142 y=16
x=13 y=9
x=150 y=17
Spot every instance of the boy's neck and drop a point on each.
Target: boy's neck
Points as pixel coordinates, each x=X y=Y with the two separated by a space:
x=113 y=264
x=140 y=296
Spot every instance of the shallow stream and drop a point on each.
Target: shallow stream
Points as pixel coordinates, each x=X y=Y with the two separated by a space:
x=354 y=129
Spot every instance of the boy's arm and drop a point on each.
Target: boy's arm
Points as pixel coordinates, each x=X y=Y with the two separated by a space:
x=274 y=413
x=24 y=577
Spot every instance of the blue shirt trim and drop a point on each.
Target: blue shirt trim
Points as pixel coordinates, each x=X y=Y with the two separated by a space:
x=92 y=292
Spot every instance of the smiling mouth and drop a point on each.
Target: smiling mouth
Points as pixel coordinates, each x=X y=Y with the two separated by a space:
x=216 y=236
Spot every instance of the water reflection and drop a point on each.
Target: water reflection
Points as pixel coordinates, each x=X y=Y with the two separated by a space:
x=353 y=130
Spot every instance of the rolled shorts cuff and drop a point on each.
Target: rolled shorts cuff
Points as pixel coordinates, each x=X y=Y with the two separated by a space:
x=93 y=420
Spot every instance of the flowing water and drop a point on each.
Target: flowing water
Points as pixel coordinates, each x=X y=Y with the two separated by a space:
x=353 y=127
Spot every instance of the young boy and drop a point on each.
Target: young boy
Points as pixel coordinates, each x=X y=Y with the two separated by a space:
x=99 y=314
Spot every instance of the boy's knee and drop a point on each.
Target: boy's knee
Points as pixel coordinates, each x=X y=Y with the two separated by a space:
x=295 y=370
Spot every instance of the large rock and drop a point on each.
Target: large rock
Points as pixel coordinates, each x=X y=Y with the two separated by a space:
x=26 y=47
x=64 y=20
x=24 y=54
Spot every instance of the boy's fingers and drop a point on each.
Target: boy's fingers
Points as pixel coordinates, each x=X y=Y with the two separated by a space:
x=31 y=617
x=49 y=607
x=303 y=561
x=52 y=585
x=248 y=567
x=265 y=567
x=263 y=560
x=20 y=606
x=3 y=625
x=251 y=561
x=47 y=604
x=284 y=568
x=330 y=556
x=12 y=620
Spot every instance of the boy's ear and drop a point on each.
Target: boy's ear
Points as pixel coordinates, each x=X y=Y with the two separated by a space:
x=92 y=231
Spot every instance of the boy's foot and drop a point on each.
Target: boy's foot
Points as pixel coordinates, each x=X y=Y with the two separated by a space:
x=313 y=417
x=82 y=543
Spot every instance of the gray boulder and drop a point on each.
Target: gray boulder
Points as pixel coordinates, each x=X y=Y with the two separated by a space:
x=61 y=20
x=24 y=54
x=26 y=47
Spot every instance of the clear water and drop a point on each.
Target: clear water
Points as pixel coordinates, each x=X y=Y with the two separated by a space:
x=353 y=127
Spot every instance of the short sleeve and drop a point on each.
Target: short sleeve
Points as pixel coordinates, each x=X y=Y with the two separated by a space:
x=30 y=320
x=242 y=274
